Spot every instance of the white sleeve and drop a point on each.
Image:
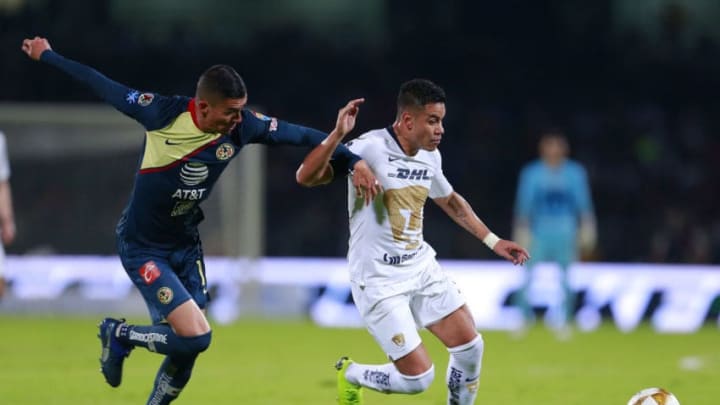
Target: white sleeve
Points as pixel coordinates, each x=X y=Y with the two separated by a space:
x=440 y=186
x=4 y=163
x=363 y=147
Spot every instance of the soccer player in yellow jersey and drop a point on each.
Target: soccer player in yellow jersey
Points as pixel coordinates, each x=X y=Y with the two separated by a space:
x=189 y=142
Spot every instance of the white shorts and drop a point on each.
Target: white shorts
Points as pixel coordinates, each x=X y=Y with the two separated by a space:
x=394 y=313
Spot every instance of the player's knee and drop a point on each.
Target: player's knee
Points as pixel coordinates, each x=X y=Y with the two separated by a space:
x=197 y=344
x=471 y=353
x=415 y=384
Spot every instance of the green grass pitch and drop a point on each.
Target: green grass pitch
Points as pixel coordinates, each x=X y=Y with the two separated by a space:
x=50 y=360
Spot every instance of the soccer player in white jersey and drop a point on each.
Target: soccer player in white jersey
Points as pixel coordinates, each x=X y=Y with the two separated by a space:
x=396 y=281
x=7 y=220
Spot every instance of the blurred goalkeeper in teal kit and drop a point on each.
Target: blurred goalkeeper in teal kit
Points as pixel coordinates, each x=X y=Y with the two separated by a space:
x=554 y=217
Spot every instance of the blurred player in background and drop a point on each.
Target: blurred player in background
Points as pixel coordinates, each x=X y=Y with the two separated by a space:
x=397 y=284
x=7 y=217
x=554 y=217
x=188 y=143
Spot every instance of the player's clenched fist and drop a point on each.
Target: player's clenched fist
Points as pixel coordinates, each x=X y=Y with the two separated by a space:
x=35 y=47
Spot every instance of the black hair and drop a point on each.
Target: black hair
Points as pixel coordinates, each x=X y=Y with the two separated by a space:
x=552 y=132
x=419 y=92
x=221 y=80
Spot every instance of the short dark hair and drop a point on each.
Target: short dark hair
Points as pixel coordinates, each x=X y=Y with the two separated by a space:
x=552 y=132
x=221 y=80
x=418 y=93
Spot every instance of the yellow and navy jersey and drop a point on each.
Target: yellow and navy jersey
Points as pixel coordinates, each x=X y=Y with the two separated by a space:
x=180 y=163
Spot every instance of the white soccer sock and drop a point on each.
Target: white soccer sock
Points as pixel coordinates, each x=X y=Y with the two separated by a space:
x=463 y=373
x=386 y=378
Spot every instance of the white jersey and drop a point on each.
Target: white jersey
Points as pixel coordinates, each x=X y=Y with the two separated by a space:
x=386 y=237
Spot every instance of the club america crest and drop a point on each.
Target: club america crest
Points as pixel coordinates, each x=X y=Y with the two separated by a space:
x=225 y=151
x=165 y=295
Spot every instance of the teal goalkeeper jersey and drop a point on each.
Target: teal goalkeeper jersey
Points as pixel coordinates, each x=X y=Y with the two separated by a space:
x=553 y=199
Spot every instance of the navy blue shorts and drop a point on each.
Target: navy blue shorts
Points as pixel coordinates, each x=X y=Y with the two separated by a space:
x=166 y=278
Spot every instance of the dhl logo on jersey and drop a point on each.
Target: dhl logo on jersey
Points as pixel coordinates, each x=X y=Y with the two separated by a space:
x=407 y=174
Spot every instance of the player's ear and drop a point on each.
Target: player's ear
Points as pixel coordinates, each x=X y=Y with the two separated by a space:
x=203 y=106
x=407 y=120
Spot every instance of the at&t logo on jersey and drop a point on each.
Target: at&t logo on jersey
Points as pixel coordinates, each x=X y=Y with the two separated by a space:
x=414 y=174
x=188 y=200
x=189 y=194
x=193 y=173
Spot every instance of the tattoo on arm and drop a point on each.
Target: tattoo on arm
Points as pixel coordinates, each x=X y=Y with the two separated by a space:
x=464 y=215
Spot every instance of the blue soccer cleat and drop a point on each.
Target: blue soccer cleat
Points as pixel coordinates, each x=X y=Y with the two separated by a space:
x=113 y=351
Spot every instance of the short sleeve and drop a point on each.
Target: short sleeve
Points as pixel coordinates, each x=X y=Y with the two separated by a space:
x=440 y=186
x=365 y=147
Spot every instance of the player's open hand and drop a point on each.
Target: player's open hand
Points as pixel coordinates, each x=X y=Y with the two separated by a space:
x=347 y=116
x=511 y=251
x=366 y=184
x=35 y=47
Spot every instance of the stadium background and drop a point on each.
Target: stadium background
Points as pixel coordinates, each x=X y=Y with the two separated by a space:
x=633 y=83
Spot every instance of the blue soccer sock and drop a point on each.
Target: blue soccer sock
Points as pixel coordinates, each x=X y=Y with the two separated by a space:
x=171 y=378
x=162 y=339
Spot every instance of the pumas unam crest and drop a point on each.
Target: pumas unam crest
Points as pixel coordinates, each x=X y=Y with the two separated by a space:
x=399 y=340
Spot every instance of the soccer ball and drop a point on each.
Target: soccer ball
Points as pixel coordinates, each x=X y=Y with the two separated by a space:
x=653 y=396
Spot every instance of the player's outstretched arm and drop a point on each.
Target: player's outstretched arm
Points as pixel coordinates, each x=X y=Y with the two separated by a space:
x=462 y=213
x=118 y=95
x=39 y=49
x=316 y=169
